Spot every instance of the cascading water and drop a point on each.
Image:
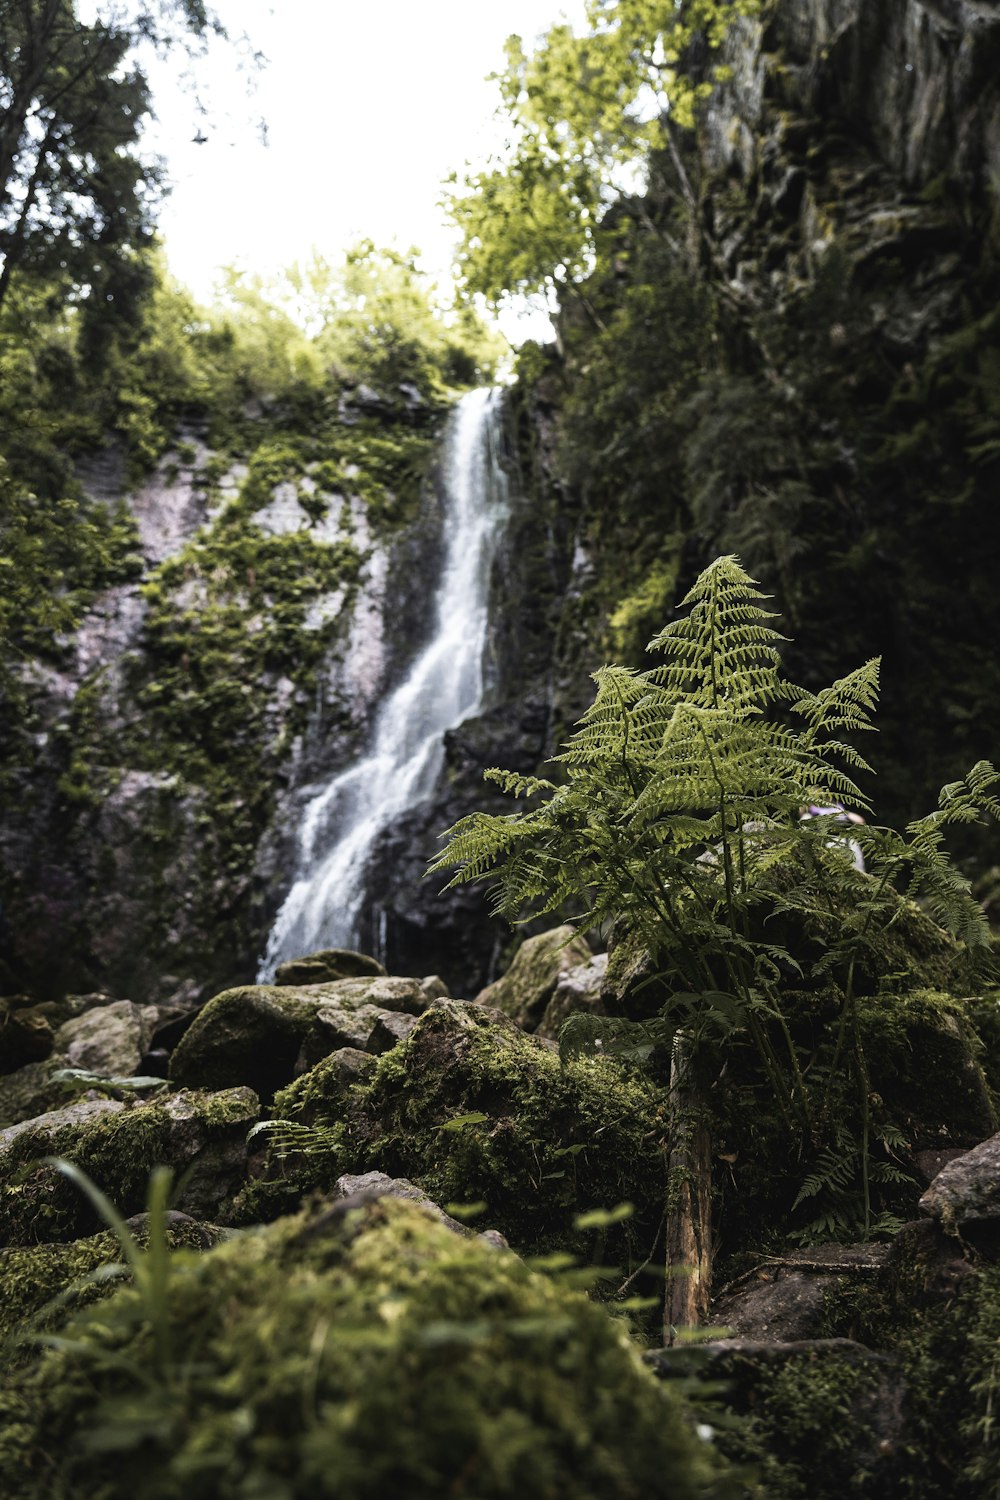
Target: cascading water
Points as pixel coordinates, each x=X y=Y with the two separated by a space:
x=443 y=687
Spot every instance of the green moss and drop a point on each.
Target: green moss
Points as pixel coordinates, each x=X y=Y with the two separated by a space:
x=117 y=1149
x=35 y=1276
x=537 y=1142
x=922 y=1058
x=355 y=1356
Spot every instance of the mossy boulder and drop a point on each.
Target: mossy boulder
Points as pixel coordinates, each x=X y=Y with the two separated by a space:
x=45 y=1284
x=474 y=1110
x=253 y=1035
x=202 y=1136
x=326 y=965
x=922 y=1055
x=529 y=984
x=353 y=1355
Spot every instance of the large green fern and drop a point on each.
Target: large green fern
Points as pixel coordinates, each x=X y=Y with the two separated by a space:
x=677 y=816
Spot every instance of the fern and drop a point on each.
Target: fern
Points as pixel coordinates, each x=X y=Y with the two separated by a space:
x=677 y=815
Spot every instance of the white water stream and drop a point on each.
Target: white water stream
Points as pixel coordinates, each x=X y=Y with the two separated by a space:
x=443 y=687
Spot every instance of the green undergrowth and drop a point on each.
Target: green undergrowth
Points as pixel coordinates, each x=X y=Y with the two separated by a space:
x=927 y=1090
x=45 y=1284
x=353 y=1354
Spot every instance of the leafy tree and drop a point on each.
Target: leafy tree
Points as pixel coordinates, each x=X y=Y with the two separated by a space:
x=584 y=113
x=76 y=198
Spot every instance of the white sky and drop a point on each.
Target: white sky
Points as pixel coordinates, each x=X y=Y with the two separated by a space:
x=369 y=107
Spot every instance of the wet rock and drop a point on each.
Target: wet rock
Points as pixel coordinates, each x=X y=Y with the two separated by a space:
x=531 y=981
x=326 y=965
x=967 y=1189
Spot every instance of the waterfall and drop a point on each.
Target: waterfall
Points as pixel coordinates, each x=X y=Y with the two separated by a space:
x=444 y=685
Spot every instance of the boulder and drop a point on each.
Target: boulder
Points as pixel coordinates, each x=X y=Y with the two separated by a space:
x=472 y=1109
x=354 y=1355
x=531 y=981
x=34 y=1275
x=256 y=1034
x=578 y=989
x=111 y=1040
x=389 y=1030
x=786 y=1298
x=827 y=1409
x=368 y=1187
x=201 y=1136
x=335 y=1026
x=967 y=1189
x=326 y=965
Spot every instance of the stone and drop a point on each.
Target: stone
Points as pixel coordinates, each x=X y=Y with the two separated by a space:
x=529 y=984
x=785 y=1299
x=110 y=1041
x=579 y=989
x=336 y=1026
x=369 y=1186
x=389 y=1030
x=968 y=1188
x=260 y=1035
x=202 y=1137
x=472 y=1109
x=363 y=1354
x=326 y=965
x=29 y=1092
x=790 y=1388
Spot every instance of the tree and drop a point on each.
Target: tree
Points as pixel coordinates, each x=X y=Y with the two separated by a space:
x=76 y=198
x=583 y=112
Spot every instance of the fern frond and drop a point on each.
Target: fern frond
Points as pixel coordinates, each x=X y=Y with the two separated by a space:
x=516 y=785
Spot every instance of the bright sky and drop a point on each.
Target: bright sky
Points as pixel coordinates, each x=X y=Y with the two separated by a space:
x=369 y=106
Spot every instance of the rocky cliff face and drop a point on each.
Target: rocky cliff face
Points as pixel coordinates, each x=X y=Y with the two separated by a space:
x=799 y=363
x=278 y=594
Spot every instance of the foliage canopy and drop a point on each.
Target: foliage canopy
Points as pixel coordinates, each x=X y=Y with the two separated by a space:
x=583 y=113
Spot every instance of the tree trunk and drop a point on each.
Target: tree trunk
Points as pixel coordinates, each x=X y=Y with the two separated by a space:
x=689 y=1202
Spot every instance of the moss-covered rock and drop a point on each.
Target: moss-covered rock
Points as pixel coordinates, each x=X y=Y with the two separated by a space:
x=252 y=1035
x=475 y=1111
x=45 y=1284
x=922 y=1055
x=355 y=1355
x=202 y=1136
x=530 y=982
x=327 y=964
